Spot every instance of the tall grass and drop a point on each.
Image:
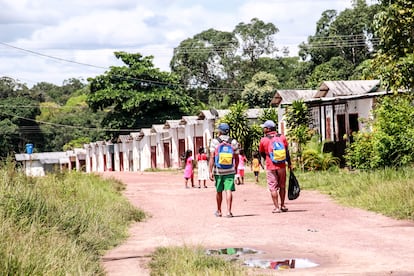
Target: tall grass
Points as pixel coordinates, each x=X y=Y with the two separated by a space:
x=59 y=224
x=191 y=261
x=387 y=191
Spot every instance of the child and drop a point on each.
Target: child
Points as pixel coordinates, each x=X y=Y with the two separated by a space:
x=256 y=164
x=240 y=168
x=189 y=168
x=202 y=167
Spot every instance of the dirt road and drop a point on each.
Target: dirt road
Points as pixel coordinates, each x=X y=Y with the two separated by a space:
x=340 y=240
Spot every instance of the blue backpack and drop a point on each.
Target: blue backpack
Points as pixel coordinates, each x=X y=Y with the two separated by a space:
x=276 y=149
x=223 y=155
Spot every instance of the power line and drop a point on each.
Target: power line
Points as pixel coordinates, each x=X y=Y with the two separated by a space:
x=51 y=57
x=342 y=41
x=70 y=126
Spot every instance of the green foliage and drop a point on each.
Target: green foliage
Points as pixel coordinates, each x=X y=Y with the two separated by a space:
x=337 y=68
x=297 y=122
x=386 y=191
x=137 y=95
x=346 y=35
x=268 y=114
x=76 y=143
x=391 y=142
x=18 y=109
x=315 y=159
x=238 y=122
x=260 y=91
x=257 y=38
x=394 y=60
x=75 y=116
x=191 y=261
x=59 y=224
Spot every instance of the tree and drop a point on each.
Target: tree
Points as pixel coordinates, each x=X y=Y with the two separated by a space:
x=348 y=34
x=18 y=109
x=297 y=122
x=137 y=95
x=256 y=39
x=391 y=143
x=71 y=124
x=337 y=68
x=394 y=61
x=260 y=91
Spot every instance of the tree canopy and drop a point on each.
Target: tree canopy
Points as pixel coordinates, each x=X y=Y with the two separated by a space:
x=137 y=95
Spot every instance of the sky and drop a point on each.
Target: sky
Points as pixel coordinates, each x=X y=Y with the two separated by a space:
x=52 y=41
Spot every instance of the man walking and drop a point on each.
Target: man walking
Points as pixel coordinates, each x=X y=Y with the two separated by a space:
x=274 y=148
x=222 y=166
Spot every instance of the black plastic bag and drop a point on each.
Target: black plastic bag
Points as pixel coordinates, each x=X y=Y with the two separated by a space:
x=294 y=188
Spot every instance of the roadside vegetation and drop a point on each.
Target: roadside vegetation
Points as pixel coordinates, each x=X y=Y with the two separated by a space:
x=191 y=261
x=60 y=224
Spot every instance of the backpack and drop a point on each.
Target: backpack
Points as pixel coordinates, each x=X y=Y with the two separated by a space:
x=276 y=149
x=223 y=155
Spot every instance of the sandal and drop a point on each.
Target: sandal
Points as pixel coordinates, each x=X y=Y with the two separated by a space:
x=284 y=209
x=276 y=210
x=217 y=214
x=230 y=215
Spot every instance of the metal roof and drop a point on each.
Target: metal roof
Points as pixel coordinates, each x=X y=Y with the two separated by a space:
x=347 y=88
x=290 y=95
x=172 y=124
x=189 y=120
x=158 y=129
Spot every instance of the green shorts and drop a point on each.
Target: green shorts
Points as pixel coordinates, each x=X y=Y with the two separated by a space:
x=224 y=182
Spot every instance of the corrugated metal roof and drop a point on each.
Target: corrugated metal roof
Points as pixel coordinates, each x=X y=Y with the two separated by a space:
x=288 y=96
x=347 y=88
x=158 y=129
x=172 y=124
x=145 y=131
x=189 y=120
x=124 y=138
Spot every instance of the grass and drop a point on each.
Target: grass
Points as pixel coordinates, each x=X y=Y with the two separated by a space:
x=191 y=261
x=60 y=224
x=387 y=191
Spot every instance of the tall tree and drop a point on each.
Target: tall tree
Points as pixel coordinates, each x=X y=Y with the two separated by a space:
x=18 y=109
x=260 y=91
x=256 y=40
x=348 y=34
x=205 y=63
x=394 y=60
x=137 y=95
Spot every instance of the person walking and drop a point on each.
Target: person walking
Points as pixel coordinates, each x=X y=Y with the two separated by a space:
x=222 y=166
x=256 y=165
x=274 y=148
x=202 y=167
x=189 y=168
x=241 y=168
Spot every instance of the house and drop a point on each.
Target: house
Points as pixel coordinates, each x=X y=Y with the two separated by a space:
x=38 y=164
x=337 y=108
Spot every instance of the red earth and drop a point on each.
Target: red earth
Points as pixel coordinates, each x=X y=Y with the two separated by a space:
x=340 y=240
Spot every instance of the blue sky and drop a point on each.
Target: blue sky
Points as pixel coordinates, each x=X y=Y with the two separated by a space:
x=49 y=40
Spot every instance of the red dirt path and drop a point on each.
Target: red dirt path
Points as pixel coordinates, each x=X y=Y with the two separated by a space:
x=342 y=240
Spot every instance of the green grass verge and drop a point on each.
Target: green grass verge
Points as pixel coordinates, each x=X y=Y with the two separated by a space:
x=60 y=224
x=191 y=261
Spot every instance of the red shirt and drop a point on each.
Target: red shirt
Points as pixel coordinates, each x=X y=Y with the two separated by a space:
x=201 y=156
x=263 y=148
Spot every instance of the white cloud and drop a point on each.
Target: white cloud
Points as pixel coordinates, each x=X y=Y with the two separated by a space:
x=90 y=31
